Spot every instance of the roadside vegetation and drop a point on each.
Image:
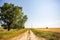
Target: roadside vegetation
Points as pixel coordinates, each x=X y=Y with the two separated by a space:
x=48 y=35
x=4 y=34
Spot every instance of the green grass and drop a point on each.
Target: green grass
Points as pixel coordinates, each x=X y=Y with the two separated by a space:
x=12 y=33
x=46 y=34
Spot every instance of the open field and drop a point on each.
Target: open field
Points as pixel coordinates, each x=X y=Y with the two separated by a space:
x=31 y=34
x=49 y=29
x=48 y=34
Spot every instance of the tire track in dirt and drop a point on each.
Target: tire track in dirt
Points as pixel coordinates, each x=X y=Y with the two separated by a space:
x=34 y=37
x=29 y=35
x=23 y=36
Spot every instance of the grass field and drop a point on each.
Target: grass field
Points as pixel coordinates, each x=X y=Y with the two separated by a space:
x=48 y=34
x=49 y=29
x=4 y=34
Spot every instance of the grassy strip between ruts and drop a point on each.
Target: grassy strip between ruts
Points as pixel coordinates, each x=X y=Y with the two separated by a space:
x=9 y=34
x=46 y=34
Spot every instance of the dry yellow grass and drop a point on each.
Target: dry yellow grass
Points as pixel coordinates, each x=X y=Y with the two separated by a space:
x=48 y=34
x=10 y=34
x=49 y=29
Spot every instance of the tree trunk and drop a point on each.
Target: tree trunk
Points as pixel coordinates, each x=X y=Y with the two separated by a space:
x=9 y=26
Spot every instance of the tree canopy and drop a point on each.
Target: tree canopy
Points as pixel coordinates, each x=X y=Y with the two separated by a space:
x=12 y=16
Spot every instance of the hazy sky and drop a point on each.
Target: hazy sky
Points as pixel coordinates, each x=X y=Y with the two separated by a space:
x=41 y=13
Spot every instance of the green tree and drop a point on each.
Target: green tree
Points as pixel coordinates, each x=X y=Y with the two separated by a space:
x=12 y=16
x=22 y=21
x=6 y=15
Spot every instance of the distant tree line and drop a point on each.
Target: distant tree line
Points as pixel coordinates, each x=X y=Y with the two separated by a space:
x=12 y=17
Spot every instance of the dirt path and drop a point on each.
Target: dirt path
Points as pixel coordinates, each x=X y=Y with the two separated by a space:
x=21 y=37
x=29 y=35
x=34 y=37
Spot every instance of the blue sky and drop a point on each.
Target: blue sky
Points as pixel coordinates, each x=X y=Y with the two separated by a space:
x=41 y=13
